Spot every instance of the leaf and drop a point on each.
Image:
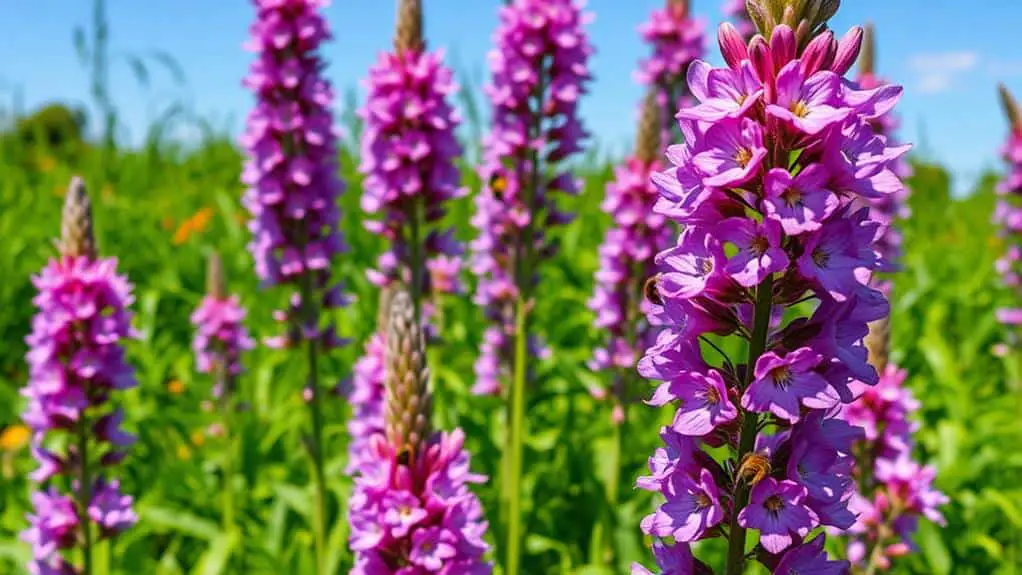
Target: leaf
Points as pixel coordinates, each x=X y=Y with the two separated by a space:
x=934 y=550
x=179 y=520
x=216 y=557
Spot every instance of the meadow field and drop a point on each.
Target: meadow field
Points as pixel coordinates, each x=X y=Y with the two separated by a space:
x=161 y=208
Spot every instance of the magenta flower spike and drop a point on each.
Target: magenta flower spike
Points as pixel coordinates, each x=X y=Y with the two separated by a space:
x=1008 y=214
x=776 y=250
x=412 y=510
x=76 y=366
x=292 y=181
x=677 y=40
x=539 y=73
x=627 y=253
x=408 y=153
x=220 y=334
x=220 y=339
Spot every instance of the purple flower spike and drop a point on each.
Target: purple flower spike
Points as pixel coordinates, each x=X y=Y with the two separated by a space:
x=677 y=40
x=408 y=154
x=779 y=253
x=1008 y=215
x=541 y=55
x=777 y=510
x=76 y=364
x=291 y=169
x=420 y=513
x=220 y=336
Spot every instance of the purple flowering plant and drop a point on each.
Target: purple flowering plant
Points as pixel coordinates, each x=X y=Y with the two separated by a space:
x=76 y=367
x=411 y=511
x=776 y=251
x=1008 y=216
x=539 y=73
x=293 y=186
x=677 y=39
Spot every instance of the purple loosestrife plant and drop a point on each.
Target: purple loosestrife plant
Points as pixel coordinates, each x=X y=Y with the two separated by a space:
x=76 y=363
x=412 y=512
x=776 y=251
x=293 y=186
x=540 y=72
x=1008 y=216
x=635 y=236
x=220 y=339
x=408 y=153
x=677 y=40
x=893 y=492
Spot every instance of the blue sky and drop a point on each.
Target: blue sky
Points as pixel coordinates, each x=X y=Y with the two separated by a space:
x=948 y=55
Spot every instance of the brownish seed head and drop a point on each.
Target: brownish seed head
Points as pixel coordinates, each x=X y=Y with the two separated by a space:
x=878 y=343
x=754 y=467
x=383 y=312
x=408 y=403
x=76 y=234
x=216 y=285
x=867 y=54
x=1010 y=107
x=647 y=140
x=408 y=35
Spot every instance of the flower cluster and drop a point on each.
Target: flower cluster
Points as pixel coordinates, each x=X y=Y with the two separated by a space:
x=408 y=153
x=220 y=337
x=291 y=169
x=777 y=251
x=626 y=257
x=76 y=363
x=539 y=73
x=677 y=40
x=418 y=517
x=735 y=10
x=412 y=511
x=893 y=491
x=1008 y=214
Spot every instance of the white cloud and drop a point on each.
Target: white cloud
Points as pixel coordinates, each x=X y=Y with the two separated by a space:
x=936 y=72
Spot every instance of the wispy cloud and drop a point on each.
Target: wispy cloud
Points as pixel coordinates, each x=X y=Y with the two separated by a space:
x=936 y=72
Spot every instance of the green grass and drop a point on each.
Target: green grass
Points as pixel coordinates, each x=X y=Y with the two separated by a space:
x=943 y=329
